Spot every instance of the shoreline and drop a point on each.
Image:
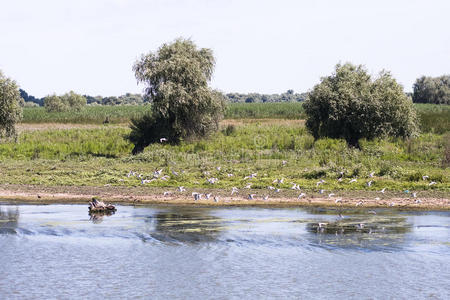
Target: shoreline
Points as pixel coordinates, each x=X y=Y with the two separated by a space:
x=37 y=194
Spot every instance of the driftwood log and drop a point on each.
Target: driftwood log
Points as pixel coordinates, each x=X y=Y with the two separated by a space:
x=99 y=206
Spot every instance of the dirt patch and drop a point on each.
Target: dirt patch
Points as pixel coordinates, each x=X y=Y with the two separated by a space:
x=146 y=195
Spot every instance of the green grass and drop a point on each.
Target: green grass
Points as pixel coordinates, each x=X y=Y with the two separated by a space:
x=101 y=156
x=433 y=118
x=282 y=110
x=88 y=115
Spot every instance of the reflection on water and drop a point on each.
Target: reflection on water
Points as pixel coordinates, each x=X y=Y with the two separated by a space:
x=185 y=225
x=222 y=253
x=368 y=231
x=97 y=217
x=9 y=217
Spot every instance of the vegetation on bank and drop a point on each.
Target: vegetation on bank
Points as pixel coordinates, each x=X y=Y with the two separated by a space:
x=100 y=156
x=433 y=118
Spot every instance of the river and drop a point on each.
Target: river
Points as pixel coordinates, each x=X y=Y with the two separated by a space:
x=179 y=252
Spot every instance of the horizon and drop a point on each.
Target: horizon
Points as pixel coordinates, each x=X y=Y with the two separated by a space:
x=260 y=47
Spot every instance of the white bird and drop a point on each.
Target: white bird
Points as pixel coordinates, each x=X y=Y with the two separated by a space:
x=251 y=176
x=372 y=212
x=230 y=175
x=216 y=198
x=339 y=179
x=234 y=190
x=321 y=225
x=213 y=180
x=208 y=196
x=278 y=190
x=321 y=191
x=330 y=195
x=369 y=183
x=352 y=180
x=295 y=187
x=144 y=181
x=338 y=200
x=301 y=195
x=377 y=198
x=265 y=197
x=425 y=177
x=278 y=181
x=165 y=177
x=383 y=190
x=161 y=140
x=270 y=187
x=218 y=168
x=418 y=201
x=371 y=174
x=196 y=196
x=284 y=162
x=251 y=196
x=432 y=183
x=175 y=173
x=157 y=173
x=321 y=181
x=167 y=193
x=359 y=203
x=181 y=189
x=414 y=194
x=248 y=186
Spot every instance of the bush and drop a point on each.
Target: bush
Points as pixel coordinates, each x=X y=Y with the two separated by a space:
x=10 y=108
x=434 y=90
x=183 y=106
x=66 y=102
x=350 y=105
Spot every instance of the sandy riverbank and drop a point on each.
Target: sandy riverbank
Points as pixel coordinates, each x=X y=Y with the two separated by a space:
x=138 y=195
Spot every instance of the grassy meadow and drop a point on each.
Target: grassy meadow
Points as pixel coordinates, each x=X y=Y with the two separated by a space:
x=273 y=149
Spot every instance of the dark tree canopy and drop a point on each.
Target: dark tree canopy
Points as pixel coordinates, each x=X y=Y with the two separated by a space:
x=183 y=105
x=10 y=108
x=434 y=90
x=349 y=104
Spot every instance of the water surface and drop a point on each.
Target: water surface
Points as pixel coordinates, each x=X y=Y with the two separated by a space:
x=60 y=252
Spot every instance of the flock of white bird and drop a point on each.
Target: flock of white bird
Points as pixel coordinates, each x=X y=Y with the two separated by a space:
x=158 y=175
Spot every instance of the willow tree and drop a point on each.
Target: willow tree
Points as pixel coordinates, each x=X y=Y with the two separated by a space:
x=10 y=109
x=183 y=105
x=349 y=104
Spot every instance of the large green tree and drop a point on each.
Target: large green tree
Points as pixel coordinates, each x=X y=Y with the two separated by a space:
x=434 y=90
x=183 y=105
x=10 y=109
x=349 y=104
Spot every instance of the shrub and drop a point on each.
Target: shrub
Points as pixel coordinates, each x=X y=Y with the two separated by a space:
x=10 y=109
x=183 y=106
x=350 y=105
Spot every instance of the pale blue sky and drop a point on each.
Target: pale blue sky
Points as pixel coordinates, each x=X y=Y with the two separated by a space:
x=89 y=46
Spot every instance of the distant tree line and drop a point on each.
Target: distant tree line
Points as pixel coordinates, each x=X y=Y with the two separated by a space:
x=288 y=96
x=138 y=99
x=434 y=90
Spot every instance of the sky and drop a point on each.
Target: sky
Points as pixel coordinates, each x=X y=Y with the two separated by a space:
x=90 y=46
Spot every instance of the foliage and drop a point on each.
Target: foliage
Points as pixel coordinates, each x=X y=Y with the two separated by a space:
x=285 y=110
x=67 y=102
x=10 y=109
x=350 y=105
x=101 y=156
x=177 y=77
x=434 y=90
x=31 y=99
x=288 y=96
x=87 y=115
